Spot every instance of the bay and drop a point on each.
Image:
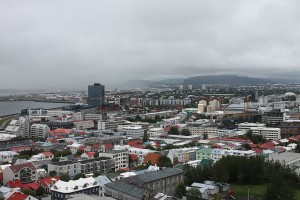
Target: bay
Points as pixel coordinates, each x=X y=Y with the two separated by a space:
x=12 y=107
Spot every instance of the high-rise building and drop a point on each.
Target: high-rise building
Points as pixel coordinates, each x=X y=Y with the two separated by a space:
x=180 y=87
x=96 y=95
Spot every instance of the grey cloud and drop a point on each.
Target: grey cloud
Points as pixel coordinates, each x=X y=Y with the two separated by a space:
x=69 y=44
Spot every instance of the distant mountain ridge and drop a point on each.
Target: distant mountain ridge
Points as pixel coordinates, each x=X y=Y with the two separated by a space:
x=231 y=80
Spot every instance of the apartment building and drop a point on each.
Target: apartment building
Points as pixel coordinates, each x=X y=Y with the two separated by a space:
x=39 y=130
x=7 y=156
x=65 y=167
x=61 y=190
x=267 y=132
x=26 y=173
x=120 y=157
x=145 y=185
x=101 y=164
x=133 y=131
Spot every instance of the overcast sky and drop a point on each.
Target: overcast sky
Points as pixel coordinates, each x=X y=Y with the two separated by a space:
x=70 y=44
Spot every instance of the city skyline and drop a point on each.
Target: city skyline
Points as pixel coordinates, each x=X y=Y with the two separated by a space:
x=52 y=45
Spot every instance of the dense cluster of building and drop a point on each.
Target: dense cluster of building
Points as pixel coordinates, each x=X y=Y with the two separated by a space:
x=104 y=147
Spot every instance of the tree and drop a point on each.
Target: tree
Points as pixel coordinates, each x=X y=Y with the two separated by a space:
x=280 y=189
x=64 y=177
x=180 y=190
x=55 y=159
x=53 y=173
x=194 y=193
x=186 y=132
x=78 y=176
x=205 y=136
x=96 y=173
x=96 y=155
x=138 y=118
x=297 y=148
x=164 y=161
x=40 y=191
x=149 y=146
x=173 y=131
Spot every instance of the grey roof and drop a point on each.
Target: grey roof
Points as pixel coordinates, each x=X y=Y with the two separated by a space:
x=103 y=180
x=63 y=163
x=127 y=188
x=94 y=159
x=152 y=176
x=286 y=157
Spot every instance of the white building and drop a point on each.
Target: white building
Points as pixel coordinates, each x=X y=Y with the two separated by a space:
x=141 y=153
x=266 y=132
x=246 y=125
x=82 y=125
x=154 y=132
x=18 y=127
x=213 y=106
x=62 y=190
x=120 y=157
x=7 y=156
x=190 y=87
x=39 y=130
x=133 y=131
x=202 y=106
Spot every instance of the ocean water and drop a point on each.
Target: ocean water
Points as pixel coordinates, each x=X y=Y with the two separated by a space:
x=12 y=107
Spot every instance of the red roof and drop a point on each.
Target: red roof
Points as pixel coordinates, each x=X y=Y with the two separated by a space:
x=133 y=156
x=267 y=145
x=18 y=196
x=90 y=154
x=81 y=148
x=135 y=143
x=95 y=146
x=257 y=150
x=108 y=146
x=17 y=168
x=30 y=186
x=153 y=158
x=48 y=153
x=60 y=131
x=14 y=184
x=22 y=148
x=46 y=182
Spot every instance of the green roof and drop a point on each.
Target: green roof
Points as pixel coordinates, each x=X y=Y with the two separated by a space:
x=127 y=188
x=205 y=150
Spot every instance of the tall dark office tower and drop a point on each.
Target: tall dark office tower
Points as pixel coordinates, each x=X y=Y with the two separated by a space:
x=95 y=94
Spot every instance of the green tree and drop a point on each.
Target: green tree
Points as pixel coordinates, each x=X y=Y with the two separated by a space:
x=96 y=173
x=78 y=176
x=149 y=146
x=138 y=118
x=186 y=132
x=193 y=194
x=173 y=131
x=297 y=150
x=164 y=161
x=205 y=136
x=55 y=159
x=40 y=191
x=280 y=189
x=64 y=177
x=96 y=155
x=53 y=173
x=180 y=190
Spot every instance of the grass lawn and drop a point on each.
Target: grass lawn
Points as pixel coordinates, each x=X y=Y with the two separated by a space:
x=254 y=190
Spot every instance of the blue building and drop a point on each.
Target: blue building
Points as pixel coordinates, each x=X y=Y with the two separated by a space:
x=95 y=95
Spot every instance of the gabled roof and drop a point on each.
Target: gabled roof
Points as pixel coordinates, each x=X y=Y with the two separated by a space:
x=18 y=196
x=81 y=148
x=60 y=131
x=17 y=168
x=14 y=184
x=46 y=182
x=153 y=158
x=133 y=156
x=30 y=186
x=48 y=153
